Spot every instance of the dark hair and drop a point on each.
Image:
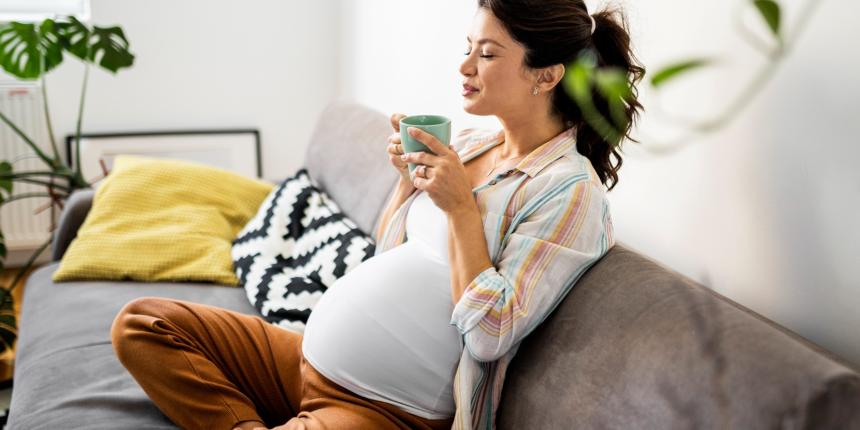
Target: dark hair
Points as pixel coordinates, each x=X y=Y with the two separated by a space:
x=557 y=32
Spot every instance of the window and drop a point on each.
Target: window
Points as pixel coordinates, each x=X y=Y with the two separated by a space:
x=37 y=10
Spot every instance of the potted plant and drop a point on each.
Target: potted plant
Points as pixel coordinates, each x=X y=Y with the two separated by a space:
x=29 y=51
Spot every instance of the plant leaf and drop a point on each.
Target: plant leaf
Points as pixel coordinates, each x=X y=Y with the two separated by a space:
x=111 y=47
x=75 y=37
x=577 y=81
x=6 y=182
x=673 y=70
x=23 y=47
x=612 y=83
x=769 y=10
x=105 y=46
x=8 y=327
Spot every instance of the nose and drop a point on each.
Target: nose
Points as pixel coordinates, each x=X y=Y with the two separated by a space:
x=467 y=68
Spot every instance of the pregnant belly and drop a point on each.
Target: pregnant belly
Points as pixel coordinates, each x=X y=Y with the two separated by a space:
x=383 y=331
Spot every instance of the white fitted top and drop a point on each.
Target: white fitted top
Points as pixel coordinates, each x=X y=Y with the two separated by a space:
x=383 y=330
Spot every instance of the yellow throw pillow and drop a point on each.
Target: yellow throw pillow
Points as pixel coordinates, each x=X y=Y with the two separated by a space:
x=163 y=220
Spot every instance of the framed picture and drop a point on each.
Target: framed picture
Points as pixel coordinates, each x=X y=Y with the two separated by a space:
x=234 y=150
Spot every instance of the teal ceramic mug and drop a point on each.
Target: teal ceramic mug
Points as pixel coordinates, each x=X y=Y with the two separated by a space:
x=436 y=125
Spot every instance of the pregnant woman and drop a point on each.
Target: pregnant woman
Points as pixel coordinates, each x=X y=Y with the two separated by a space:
x=473 y=252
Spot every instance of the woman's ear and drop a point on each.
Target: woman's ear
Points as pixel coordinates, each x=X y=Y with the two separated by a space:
x=549 y=77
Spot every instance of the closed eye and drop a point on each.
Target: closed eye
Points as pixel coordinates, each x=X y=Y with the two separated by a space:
x=482 y=56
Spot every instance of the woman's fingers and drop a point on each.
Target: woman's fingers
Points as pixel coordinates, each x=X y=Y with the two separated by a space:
x=394 y=153
x=395 y=150
x=420 y=183
x=394 y=146
x=397 y=162
x=395 y=120
x=421 y=158
x=422 y=171
x=428 y=139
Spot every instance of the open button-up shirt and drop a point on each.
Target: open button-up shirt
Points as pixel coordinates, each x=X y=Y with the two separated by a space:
x=546 y=221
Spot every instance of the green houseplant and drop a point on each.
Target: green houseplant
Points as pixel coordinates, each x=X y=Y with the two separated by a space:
x=585 y=82
x=29 y=51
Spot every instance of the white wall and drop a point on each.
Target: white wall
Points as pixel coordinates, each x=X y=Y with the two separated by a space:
x=266 y=64
x=404 y=56
x=764 y=212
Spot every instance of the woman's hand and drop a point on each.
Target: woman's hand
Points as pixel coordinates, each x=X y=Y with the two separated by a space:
x=442 y=175
x=395 y=150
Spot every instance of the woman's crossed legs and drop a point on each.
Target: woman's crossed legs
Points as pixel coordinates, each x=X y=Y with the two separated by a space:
x=211 y=368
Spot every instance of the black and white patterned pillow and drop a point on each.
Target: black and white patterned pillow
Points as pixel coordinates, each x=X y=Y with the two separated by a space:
x=296 y=246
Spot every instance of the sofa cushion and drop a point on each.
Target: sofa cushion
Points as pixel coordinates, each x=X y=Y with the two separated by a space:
x=163 y=220
x=297 y=245
x=66 y=373
x=349 y=161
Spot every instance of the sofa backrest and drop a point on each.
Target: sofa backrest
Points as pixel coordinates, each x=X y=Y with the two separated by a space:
x=637 y=345
x=347 y=158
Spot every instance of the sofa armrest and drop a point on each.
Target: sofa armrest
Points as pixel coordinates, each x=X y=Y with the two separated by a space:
x=73 y=215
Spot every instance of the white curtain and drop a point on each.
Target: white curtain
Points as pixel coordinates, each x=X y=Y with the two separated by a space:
x=37 y=10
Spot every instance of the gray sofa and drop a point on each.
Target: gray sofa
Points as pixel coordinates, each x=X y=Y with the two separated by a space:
x=633 y=346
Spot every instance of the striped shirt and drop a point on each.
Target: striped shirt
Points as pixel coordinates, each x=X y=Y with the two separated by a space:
x=546 y=221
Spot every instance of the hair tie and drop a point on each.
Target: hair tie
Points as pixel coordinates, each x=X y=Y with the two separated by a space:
x=593 y=23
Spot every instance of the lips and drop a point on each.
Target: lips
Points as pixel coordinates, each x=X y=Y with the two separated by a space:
x=469 y=90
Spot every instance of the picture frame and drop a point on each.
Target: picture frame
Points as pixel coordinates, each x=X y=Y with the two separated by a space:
x=237 y=150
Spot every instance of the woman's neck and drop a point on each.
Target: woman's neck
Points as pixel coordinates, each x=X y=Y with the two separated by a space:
x=522 y=136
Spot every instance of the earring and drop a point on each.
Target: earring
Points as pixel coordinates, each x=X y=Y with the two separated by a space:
x=535 y=91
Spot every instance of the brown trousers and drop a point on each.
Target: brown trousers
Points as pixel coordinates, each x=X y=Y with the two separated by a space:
x=210 y=368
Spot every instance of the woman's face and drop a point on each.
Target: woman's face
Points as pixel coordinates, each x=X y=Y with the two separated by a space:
x=494 y=66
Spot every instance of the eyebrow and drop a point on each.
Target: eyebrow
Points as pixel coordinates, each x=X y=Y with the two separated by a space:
x=485 y=40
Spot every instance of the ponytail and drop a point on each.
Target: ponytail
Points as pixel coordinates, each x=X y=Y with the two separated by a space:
x=611 y=44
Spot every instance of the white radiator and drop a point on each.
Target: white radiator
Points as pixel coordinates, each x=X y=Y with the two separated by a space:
x=22 y=227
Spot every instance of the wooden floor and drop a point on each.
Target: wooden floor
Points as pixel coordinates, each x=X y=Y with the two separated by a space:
x=6 y=277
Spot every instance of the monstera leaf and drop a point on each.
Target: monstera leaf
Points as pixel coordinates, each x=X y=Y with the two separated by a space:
x=24 y=47
x=105 y=46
